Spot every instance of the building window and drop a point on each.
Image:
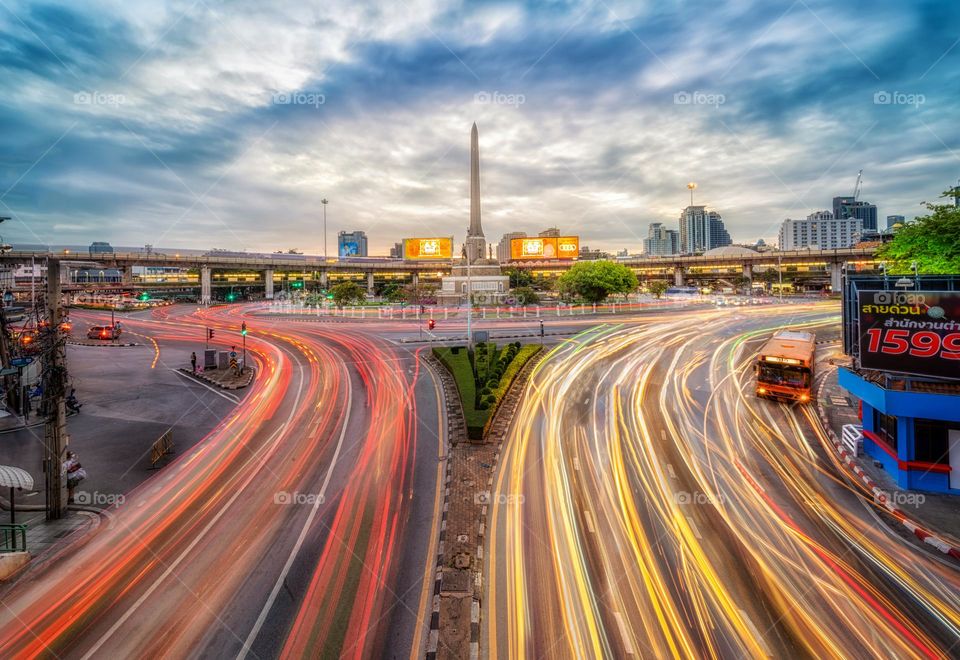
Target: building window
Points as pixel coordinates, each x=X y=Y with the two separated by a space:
x=930 y=440
x=885 y=426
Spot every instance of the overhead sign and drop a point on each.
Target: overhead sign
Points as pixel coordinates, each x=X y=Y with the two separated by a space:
x=21 y=361
x=545 y=248
x=910 y=332
x=428 y=248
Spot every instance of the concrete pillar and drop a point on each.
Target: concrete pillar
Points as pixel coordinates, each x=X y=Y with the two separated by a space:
x=416 y=279
x=205 y=278
x=678 y=276
x=323 y=279
x=748 y=272
x=370 y=282
x=268 y=284
x=836 y=277
x=126 y=276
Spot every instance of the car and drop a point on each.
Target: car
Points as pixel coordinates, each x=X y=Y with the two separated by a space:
x=104 y=332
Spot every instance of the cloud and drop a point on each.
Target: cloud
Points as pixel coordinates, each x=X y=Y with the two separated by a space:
x=202 y=124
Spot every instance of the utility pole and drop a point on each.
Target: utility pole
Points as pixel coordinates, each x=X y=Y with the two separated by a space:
x=54 y=384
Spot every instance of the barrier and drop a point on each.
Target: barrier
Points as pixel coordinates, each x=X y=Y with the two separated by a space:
x=10 y=534
x=162 y=447
x=852 y=438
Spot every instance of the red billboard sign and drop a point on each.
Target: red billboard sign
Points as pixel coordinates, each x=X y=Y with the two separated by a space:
x=910 y=332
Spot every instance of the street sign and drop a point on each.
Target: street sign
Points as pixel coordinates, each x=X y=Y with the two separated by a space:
x=9 y=371
x=21 y=361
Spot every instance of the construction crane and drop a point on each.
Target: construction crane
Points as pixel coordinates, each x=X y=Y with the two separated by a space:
x=856 y=188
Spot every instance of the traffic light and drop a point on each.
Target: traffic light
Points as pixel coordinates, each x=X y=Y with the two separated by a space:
x=231 y=296
x=209 y=333
x=431 y=324
x=243 y=328
x=144 y=296
x=296 y=285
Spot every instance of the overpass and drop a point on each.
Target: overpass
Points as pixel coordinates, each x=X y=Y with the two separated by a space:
x=220 y=268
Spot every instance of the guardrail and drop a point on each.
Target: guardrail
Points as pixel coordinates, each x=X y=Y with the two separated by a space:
x=162 y=447
x=10 y=534
x=852 y=438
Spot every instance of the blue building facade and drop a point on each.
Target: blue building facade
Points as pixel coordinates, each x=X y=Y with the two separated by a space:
x=911 y=415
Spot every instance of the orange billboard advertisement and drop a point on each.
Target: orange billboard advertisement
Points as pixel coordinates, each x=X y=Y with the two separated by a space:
x=428 y=248
x=545 y=247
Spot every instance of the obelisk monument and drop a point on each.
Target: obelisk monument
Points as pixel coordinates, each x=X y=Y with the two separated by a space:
x=476 y=244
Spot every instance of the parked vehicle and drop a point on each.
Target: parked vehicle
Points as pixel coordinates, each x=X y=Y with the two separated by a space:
x=104 y=332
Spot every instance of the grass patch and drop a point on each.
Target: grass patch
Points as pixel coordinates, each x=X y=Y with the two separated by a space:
x=483 y=376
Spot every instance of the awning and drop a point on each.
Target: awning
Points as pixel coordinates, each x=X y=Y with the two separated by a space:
x=14 y=477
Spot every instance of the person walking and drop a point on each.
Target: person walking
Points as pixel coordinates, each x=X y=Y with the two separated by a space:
x=74 y=473
x=193 y=361
x=71 y=402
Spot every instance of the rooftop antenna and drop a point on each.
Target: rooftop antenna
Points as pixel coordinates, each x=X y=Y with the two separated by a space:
x=856 y=188
x=691 y=187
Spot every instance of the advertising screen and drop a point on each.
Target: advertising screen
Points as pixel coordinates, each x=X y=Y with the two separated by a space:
x=545 y=247
x=428 y=248
x=349 y=248
x=911 y=332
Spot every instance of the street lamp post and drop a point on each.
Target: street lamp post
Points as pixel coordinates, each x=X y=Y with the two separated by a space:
x=780 y=277
x=324 y=202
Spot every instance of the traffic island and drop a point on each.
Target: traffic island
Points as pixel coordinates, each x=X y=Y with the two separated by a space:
x=106 y=343
x=225 y=379
x=455 y=617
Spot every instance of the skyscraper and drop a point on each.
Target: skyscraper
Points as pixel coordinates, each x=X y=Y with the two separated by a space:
x=476 y=244
x=503 y=248
x=352 y=244
x=848 y=207
x=660 y=241
x=701 y=230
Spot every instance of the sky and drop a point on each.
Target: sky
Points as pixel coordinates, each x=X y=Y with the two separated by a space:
x=205 y=124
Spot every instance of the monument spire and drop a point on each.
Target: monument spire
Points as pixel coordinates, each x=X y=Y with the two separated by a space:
x=475 y=228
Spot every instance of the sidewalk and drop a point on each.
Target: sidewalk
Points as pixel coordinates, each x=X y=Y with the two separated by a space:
x=933 y=518
x=42 y=534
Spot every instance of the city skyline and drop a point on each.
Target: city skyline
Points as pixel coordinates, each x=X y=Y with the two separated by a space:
x=193 y=128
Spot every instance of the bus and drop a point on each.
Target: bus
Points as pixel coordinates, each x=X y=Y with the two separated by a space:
x=785 y=366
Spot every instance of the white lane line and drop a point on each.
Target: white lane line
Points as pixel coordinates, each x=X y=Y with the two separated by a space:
x=303 y=534
x=756 y=634
x=228 y=397
x=673 y=474
x=693 y=527
x=591 y=526
x=187 y=551
x=576 y=463
x=627 y=642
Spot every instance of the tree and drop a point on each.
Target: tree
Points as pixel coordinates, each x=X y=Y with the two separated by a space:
x=932 y=241
x=518 y=278
x=347 y=292
x=526 y=296
x=420 y=294
x=392 y=292
x=595 y=280
x=657 y=288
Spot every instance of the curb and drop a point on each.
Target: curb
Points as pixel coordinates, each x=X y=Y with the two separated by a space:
x=73 y=342
x=880 y=496
x=205 y=379
x=433 y=639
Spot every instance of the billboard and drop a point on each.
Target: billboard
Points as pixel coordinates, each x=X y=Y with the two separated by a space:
x=349 y=248
x=911 y=332
x=545 y=247
x=428 y=248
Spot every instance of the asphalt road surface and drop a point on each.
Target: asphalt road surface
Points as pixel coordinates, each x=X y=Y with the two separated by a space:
x=302 y=525
x=648 y=505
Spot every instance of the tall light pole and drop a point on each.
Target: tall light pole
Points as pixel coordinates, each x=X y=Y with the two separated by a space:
x=324 y=202
x=466 y=258
x=780 y=276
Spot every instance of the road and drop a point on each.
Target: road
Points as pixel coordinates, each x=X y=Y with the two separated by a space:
x=648 y=505
x=295 y=528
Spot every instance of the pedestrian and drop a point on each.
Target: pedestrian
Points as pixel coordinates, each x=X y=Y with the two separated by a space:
x=72 y=404
x=193 y=361
x=74 y=473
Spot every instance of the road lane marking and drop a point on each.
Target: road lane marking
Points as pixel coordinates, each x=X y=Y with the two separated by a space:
x=756 y=634
x=576 y=463
x=673 y=474
x=251 y=638
x=627 y=642
x=226 y=396
x=588 y=516
x=693 y=527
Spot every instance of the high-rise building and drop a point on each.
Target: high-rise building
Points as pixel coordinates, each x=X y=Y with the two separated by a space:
x=819 y=231
x=503 y=247
x=396 y=252
x=660 y=241
x=552 y=232
x=701 y=230
x=848 y=207
x=894 y=220
x=352 y=244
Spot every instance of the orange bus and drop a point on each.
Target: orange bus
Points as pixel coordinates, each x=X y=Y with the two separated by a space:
x=785 y=366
